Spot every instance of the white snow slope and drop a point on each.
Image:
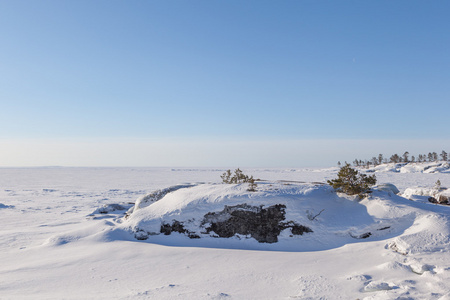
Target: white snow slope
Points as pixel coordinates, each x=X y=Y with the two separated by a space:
x=56 y=244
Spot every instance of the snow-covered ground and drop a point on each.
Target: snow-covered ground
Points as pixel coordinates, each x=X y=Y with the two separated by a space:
x=423 y=167
x=55 y=243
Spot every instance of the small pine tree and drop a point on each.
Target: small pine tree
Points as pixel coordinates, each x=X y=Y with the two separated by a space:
x=405 y=157
x=444 y=155
x=374 y=161
x=395 y=158
x=238 y=177
x=351 y=182
x=437 y=185
x=251 y=184
x=226 y=177
x=380 y=159
x=435 y=156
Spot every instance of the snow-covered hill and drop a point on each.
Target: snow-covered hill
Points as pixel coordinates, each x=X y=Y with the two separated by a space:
x=211 y=212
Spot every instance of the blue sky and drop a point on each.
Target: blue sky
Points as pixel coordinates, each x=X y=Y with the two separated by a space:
x=164 y=74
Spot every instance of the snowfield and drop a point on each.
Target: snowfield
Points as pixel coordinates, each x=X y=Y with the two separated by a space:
x=95 y=233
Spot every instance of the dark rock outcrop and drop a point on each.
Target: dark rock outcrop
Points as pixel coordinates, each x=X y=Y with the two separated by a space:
x=177 y=226
x=262 y=224
x=439 y=199
x=361 y=236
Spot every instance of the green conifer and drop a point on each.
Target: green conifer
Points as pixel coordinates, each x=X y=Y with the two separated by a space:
x=351 y=182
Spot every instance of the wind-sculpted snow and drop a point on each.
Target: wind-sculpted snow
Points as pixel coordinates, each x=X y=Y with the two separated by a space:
x=157 y=195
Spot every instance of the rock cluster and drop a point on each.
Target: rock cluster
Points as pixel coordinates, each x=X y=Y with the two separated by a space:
x=262 y=224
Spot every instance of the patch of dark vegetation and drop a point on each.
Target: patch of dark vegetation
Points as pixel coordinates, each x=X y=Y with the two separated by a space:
x=262 y=224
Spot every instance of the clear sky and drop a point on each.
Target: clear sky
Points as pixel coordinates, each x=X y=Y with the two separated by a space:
x=221 y=83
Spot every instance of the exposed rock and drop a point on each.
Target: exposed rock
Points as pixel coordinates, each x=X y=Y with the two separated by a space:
x=384 y=228
x=297 y=229
x=394 y=247
x=110 y=208
x=141 y=235
x=262 y=224
x=442 y=199
x=177 y=226
x=439 y=199
x=361 y=236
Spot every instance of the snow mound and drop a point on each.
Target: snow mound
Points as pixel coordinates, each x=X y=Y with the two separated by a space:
x=387 y=187
x=280 y=216
x=375 y=286
x=429 y=233
x=198 y=215
x=418 y=191
x=157 y=195
x=422 y=194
